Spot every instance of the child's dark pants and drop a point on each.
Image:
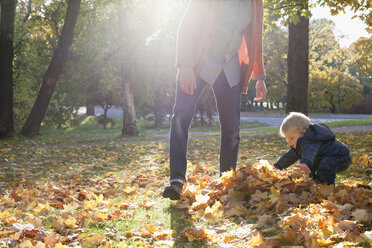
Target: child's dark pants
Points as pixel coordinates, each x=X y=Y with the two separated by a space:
x=327 y=167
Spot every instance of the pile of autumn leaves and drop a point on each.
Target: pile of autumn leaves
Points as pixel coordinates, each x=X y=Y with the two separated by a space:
x=271 y=208
x=290 y=210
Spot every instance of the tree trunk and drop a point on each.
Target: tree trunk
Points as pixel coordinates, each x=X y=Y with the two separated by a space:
x=6 y=66
x=92 y=92
x=298 y=66
x=156 y=119
x=90 y=110
x=129 y=109
x=105 y=120
x=32 y=125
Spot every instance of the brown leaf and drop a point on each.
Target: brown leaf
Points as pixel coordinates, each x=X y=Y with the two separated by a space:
x=289 y=219
x=264 y=219
x=31 y=233
x=361 y=215
x=347 y=225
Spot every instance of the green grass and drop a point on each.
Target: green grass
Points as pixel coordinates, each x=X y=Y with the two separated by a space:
x=356 y=122
x=89 y=131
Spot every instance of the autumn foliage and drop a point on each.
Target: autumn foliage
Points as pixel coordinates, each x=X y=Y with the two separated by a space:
x=110 y=196
x=301 y=211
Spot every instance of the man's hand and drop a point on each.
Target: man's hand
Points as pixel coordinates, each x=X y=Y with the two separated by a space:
x=186 y=79
x=261 y=91
x=302 y=167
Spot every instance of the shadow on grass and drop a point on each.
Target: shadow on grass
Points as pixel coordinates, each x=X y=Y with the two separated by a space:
x=179 y=221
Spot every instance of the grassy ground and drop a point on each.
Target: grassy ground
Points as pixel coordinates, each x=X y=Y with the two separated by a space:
x=109 y=195
x=90 y=131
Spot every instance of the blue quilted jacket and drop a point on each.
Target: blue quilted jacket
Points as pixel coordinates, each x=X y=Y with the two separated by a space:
x=318 y=142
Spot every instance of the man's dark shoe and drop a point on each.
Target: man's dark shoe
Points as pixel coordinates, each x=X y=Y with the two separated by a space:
x=173 y=191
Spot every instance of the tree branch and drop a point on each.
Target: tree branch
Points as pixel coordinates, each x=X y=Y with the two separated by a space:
x=28 y=13
x=284 y=6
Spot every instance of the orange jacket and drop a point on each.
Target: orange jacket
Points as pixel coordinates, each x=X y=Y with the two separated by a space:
x=196 y=32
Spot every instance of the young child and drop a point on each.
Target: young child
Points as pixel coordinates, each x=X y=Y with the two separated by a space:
x=315 y=145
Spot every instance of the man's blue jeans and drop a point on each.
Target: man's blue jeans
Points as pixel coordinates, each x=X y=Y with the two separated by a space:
x=228 y=105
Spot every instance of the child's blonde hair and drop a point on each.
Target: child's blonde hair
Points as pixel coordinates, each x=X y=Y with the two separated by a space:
x=295 y=121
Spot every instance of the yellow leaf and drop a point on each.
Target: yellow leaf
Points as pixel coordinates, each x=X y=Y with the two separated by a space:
x=138 y=244
x=130 y=190
x=122 y=244
x=5 y=233
x=59 y=245
x=229 y=237
x=90 y=205
x=99 y=199
x=191 y=235
x=151 y=228
x=237 y=210
x=128 y=234
x=94 y=240
x=256 y=240
x=69 y=207
x=227 y=178
x=71 y=223
x=77 y=176
x=101 y=216
x=213 y=213
x=83 y=235
x=275 y=195
x=324 y=243
x=330 y=205
x=111 y=158
x=43 y=208
x=4 y=214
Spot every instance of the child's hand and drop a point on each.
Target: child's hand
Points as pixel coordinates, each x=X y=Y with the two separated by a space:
x=302 y=167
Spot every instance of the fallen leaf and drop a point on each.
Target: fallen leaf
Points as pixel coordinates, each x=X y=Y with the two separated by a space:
x=256 y=240
x=325 y=243
x=94 y=240
x=26 y=244
x=59 y=245
x=361 y=215
x=264 y=219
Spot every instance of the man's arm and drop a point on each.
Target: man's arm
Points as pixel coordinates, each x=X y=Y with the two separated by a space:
x=187 y=33
x=261 y=91
x=186 y=46
x=187 y=79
